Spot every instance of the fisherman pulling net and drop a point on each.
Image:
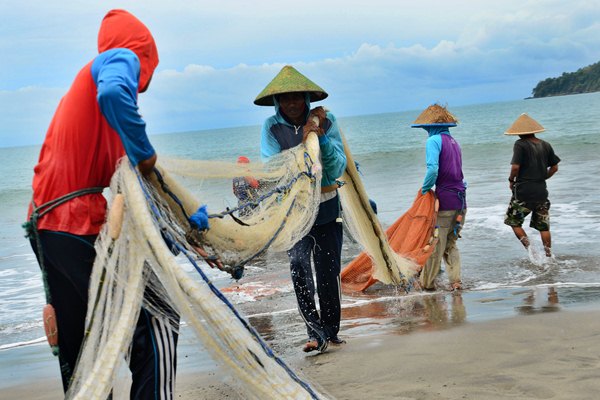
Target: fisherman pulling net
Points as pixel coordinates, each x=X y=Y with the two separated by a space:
x=142 y=255
x=419 y=234
x=151 y=241
x=148 y=255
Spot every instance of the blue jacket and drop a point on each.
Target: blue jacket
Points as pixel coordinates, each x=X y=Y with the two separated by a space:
x=115 y=73
x=278 y=135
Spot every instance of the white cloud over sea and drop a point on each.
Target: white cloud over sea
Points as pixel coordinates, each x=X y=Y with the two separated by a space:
x=371 y=57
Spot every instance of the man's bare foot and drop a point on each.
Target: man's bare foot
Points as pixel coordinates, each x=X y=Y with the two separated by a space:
x=313 y=345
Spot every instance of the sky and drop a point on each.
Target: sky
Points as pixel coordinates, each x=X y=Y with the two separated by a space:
x=371 y=56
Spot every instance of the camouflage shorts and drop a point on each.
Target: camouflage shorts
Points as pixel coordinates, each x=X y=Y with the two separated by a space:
x=518 y=210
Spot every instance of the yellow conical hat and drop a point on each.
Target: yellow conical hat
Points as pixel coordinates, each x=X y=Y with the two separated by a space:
x=289 y=80
x=524 y=125
x=435 y=115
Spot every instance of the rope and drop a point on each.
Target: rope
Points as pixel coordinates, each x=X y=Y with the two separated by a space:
x=192 y=259
x=33 y=234
x=31 y=227
x=168 y=191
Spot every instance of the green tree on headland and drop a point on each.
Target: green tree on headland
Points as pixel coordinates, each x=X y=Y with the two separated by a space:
x=584 y=80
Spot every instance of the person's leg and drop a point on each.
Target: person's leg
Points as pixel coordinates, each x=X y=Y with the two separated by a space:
x=452 y=256
x=540 y=220
x=515 y=216
x=547 y=242
x=328 y=251
x=304 y=287
x=431 y=268
x=434 y=262
x=521 y=235
x=68 y=261
x=153 y=358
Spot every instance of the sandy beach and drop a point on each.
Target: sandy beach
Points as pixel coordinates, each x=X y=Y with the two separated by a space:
x=550 y=355
x=547 y=355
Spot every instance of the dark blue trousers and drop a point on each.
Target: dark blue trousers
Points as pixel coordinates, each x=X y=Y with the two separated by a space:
x=324 y=245
x=68 y=260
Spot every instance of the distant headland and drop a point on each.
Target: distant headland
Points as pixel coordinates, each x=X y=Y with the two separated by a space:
x=584 y=80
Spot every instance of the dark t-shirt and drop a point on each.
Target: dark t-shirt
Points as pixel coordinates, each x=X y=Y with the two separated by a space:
x=534 y=158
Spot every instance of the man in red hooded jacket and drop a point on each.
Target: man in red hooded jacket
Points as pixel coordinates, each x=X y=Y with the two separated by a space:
x=96 y=123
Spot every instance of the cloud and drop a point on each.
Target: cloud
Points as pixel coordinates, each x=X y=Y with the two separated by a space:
x=376 y=57
x=25 y=114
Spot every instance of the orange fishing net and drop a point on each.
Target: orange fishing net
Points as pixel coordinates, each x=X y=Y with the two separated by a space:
x=412 y=236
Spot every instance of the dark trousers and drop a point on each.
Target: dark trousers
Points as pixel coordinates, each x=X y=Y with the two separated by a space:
x=324 y=244
x=68 y=260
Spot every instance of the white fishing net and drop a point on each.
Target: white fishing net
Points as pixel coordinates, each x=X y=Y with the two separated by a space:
x=360 y=219
x=148 y=242
x=136 y=255
x=275 y=214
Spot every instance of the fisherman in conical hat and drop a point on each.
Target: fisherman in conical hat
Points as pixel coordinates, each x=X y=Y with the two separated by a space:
x=444 y=171
x=533 y=162
x=291 y=93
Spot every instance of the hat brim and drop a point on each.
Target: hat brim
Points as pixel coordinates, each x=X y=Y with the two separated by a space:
x=524 y=133
x=289 y=80
x=268 y=100
x=524 y=125
x=447 y=124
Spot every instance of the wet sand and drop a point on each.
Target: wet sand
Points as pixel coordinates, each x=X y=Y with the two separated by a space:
x=538 y=356
x=550 y=355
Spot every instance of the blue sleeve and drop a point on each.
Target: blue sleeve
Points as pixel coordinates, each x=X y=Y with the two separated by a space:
x=333 y=156
x=433 y=148
x=268 y=144
x=116 y=74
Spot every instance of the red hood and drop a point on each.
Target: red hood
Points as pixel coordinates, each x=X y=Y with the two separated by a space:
x=120 y=29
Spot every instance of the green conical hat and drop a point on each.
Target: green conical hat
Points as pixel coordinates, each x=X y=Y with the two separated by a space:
x=289 y=80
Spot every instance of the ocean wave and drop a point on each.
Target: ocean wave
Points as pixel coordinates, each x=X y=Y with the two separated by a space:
x=33 y=342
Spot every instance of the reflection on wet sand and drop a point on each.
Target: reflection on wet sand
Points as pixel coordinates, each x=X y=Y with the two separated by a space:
x=405 y=314
x=388 y=311
x=539 y=299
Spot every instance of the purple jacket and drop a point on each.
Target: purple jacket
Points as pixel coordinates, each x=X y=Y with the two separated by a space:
x=444 y=169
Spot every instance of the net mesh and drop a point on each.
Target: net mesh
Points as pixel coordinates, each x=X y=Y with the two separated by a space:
x=141 y=254
x=383 y=263
x=147 y=256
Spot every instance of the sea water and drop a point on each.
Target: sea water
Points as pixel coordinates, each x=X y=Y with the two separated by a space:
x=501 y=278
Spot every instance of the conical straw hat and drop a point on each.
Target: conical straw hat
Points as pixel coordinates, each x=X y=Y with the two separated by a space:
x=435 y=115
x=524 y=125
x=289 y=80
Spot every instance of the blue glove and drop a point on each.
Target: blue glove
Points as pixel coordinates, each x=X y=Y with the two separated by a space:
x=199 y=219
